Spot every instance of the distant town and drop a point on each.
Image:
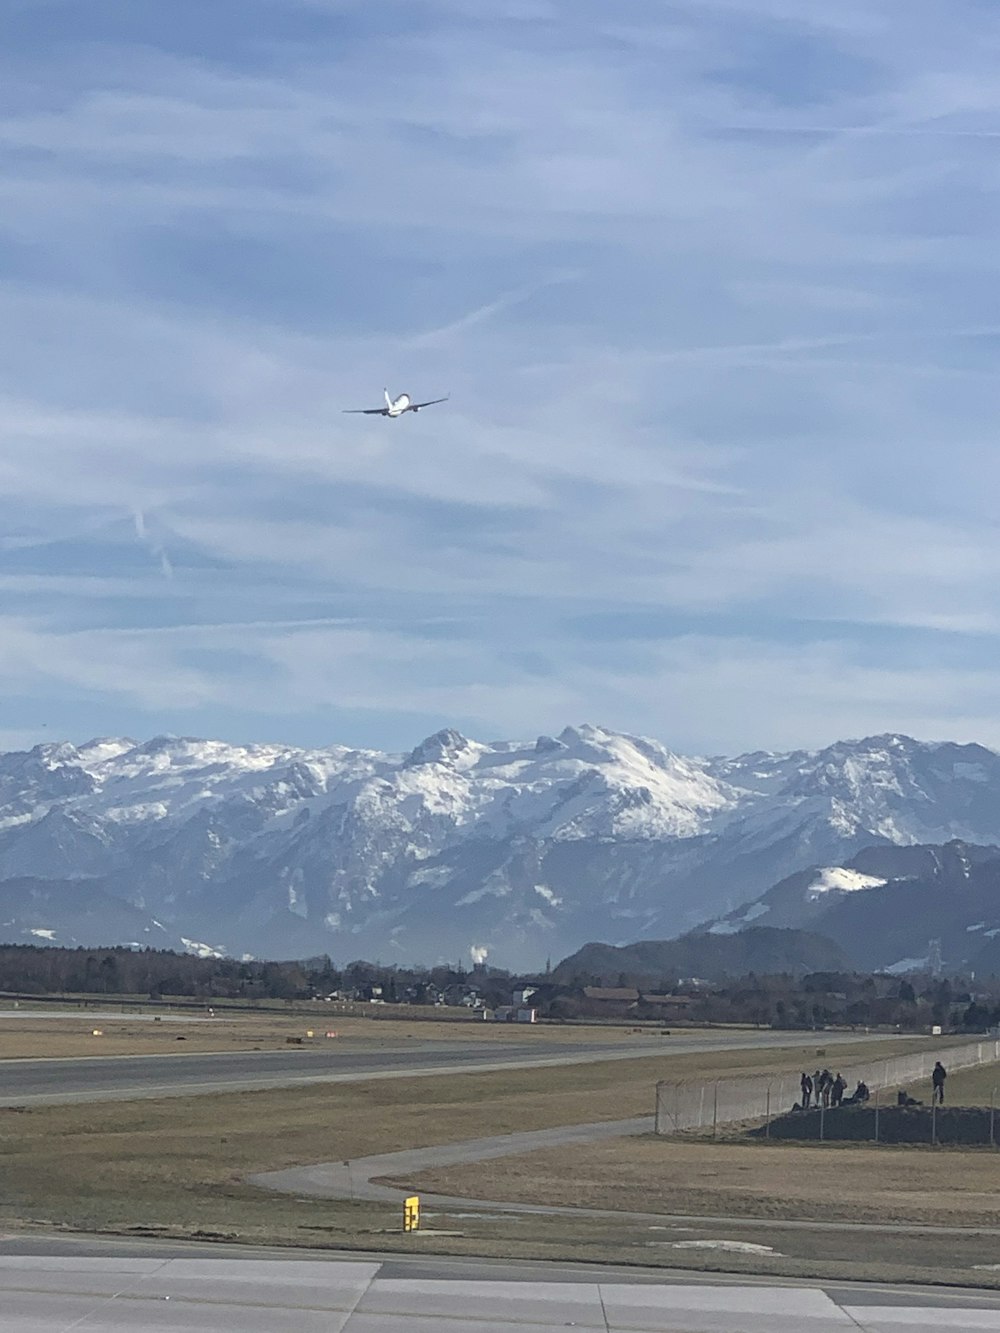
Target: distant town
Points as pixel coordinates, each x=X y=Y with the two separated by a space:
x=816 y=1000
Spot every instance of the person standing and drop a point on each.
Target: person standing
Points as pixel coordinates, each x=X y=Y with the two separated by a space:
x=937 y=1078
x=837 y=1090
x=806 y=1084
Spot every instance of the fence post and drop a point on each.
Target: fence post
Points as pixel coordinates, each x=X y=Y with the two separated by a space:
x=767 y=1113
x=877 y=1090
x=715 y=1110
x=993 y=1113
x=933 y=1121
x=822 y=1113
x=656 y=1113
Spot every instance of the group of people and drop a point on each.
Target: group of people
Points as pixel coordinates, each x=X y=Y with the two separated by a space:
x=823 y=1089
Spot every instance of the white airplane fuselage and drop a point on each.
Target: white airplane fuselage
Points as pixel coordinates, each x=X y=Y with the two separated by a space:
x=395 y=407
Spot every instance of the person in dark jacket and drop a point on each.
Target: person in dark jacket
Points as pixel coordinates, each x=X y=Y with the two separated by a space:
x=860 y=1094
x=825 y=1086
x=806 y=1084
x=937 y=1078
x=837 y=1089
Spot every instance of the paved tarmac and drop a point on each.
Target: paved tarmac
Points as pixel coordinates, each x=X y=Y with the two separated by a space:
x=26 y=1082
x=52 y=1287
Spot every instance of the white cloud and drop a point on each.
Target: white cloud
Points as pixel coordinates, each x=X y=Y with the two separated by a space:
x=720 y=341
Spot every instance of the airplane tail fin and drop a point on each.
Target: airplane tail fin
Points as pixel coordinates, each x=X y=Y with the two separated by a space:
x=388 y=400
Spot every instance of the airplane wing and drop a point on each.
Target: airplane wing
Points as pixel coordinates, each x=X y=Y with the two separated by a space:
x=413 y=406
x=366 y=411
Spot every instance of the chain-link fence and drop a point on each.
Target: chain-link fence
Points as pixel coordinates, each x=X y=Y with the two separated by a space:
x=689 y=1105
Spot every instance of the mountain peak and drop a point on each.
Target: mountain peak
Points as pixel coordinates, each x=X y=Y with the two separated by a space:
x=444 y=746
x=888 y=745
x=548 y=745
x=585 y=732
x=158 y=744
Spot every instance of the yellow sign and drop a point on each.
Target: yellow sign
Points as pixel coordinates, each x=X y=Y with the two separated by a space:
x=411 y=1213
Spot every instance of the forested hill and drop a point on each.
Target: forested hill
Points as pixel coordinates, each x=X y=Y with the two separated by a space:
x=712 y=957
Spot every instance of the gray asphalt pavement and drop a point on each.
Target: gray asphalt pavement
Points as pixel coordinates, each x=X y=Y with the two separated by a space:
x=94 y=1078
x=48 y=1287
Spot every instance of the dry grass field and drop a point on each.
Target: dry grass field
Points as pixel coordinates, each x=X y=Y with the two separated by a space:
x=828 y=1182
x=70 y=1036
x=178 y=1168
x=181 y=1162
x=965 y=1087
x=736 y=1178
x=135 y=1161
x=42 y=1033
x=26 y=1034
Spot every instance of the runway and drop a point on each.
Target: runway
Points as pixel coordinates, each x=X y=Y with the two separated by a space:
x=50 y=1287
x=26 y=1082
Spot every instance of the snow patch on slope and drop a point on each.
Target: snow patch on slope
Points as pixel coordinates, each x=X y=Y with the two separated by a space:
x=545 y=892
x=839 y=879
x=203 y=950
x=908 y=965
x=736 y=924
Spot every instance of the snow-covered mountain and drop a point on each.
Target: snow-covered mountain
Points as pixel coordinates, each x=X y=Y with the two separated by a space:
x=525 y=849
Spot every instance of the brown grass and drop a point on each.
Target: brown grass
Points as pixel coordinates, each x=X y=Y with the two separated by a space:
x=142 y=1159
x=71 y=1035
x=857 y=1182
x=965 y=1087
x=182 y=1161
x=26 y=1034
x=820 y=1183
x=178 y=1167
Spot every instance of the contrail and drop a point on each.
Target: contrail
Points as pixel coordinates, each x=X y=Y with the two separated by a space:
x=865 y=131
x=503 y=302
x=819 y=343
x=154 y=547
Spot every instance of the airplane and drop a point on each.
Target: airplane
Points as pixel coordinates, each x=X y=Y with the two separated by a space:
x=395 y=407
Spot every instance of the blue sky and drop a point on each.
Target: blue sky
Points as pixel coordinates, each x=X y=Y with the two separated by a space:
x=714 y=287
